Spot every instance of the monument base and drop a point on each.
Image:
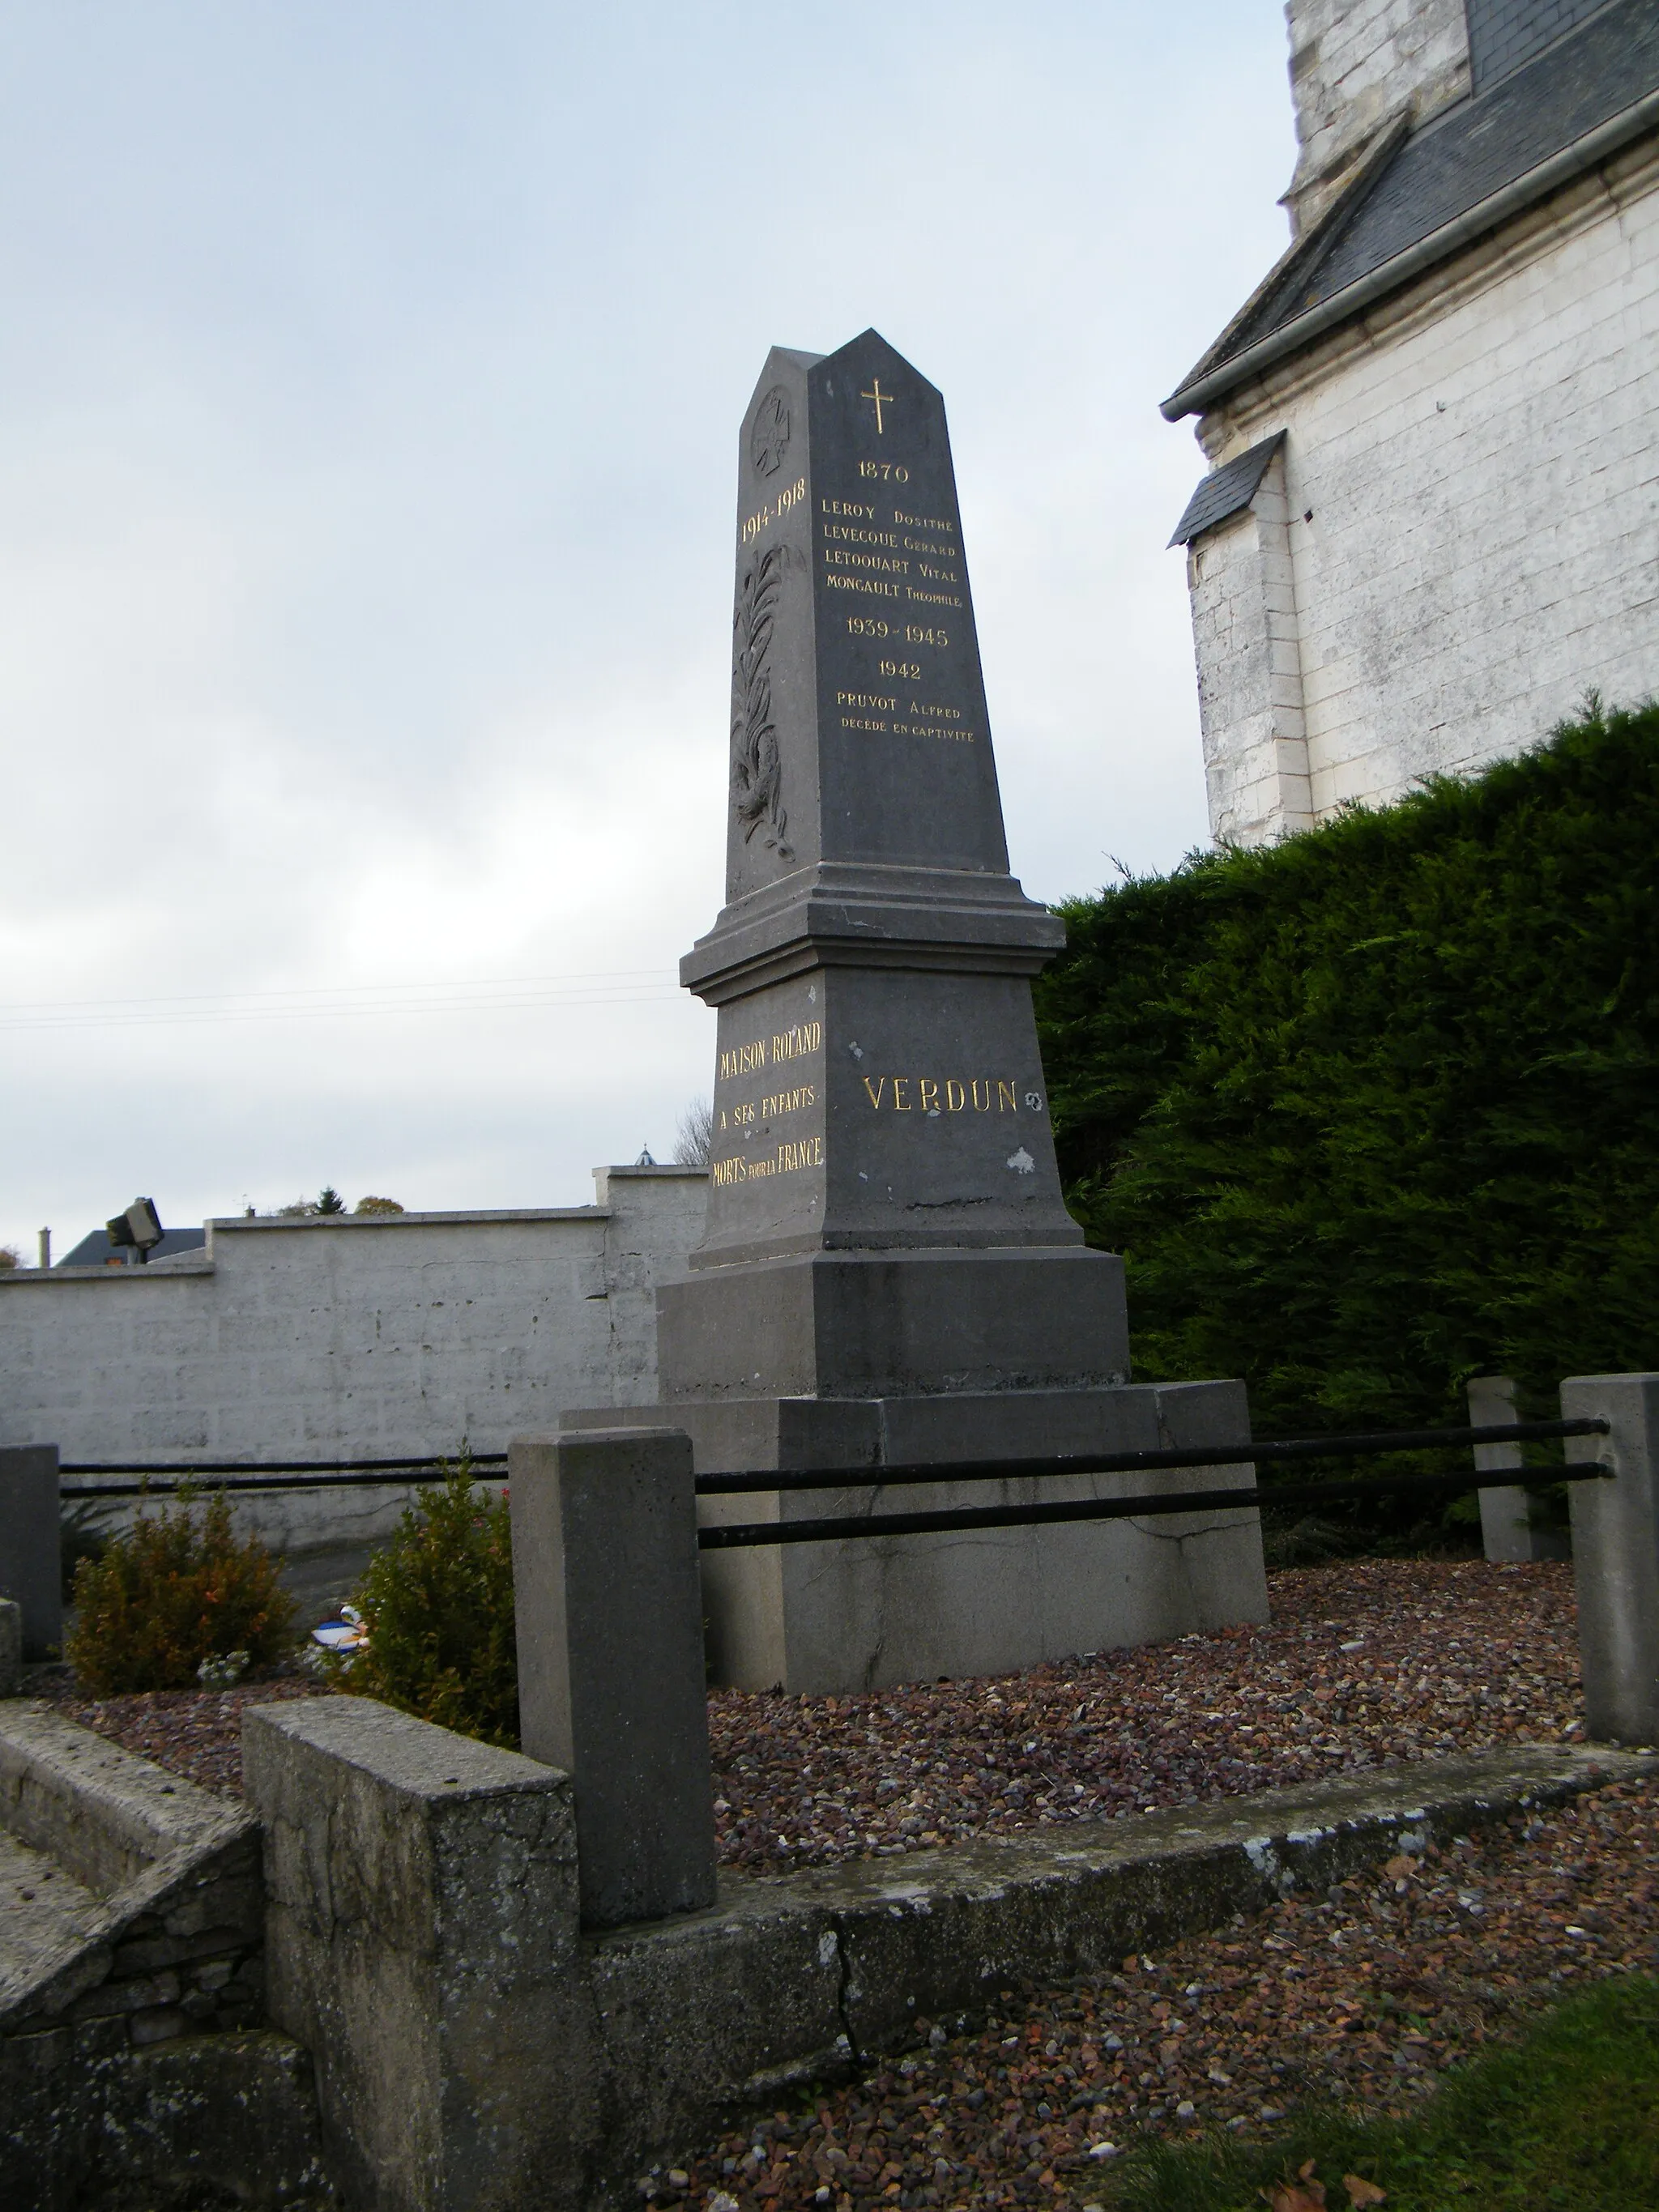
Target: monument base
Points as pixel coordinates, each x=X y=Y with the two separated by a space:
x=894 y=1324
x=864 y=1613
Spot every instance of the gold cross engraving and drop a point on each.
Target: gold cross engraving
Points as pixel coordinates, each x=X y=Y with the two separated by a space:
x=882 y=400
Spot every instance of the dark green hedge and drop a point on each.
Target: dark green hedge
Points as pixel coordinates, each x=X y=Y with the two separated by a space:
x=1377 y=1109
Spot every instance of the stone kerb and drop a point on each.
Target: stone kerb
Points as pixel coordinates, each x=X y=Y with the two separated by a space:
x=422 y=1942
x=1615 y=1545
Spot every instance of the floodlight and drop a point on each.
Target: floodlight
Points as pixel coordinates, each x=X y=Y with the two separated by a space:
x=139 y=1228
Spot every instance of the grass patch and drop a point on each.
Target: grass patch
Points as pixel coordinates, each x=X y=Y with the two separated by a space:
x=1565 y=2120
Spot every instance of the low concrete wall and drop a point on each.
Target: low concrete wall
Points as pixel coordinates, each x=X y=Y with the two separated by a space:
x=475 y=2049
x=136 y=1897
x=348 y=1336
x=423 y=1932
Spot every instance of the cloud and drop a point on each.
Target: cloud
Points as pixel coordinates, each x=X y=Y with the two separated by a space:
x=367 y=435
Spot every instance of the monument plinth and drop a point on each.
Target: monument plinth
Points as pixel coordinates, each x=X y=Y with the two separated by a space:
x=884 y=1210
x=888 y=1274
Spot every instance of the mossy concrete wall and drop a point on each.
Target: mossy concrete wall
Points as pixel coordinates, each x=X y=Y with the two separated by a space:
x=474 y=2048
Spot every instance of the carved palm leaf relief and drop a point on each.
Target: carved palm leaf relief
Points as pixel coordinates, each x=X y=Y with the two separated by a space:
x=757 y=772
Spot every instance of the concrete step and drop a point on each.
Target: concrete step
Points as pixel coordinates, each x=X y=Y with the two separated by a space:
x=128 y=1893
x=46 y=1919
x=132 y=1965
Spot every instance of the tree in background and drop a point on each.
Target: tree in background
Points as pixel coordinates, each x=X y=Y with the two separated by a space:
x=695 y=1138
x=327 y=1201
x=377 y=1206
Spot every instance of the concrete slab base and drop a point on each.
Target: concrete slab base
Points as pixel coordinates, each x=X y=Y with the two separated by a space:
x=861 y=1614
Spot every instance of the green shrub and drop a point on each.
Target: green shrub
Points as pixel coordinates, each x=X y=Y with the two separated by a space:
x=438 y=1602
x=176 y=1589
x=81 y=1536
x=1377 y=1108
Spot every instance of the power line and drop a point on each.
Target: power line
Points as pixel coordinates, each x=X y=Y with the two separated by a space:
x=596 y=988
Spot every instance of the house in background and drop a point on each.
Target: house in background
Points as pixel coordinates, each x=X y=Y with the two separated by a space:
x=1431 y=522
x=96 y=1251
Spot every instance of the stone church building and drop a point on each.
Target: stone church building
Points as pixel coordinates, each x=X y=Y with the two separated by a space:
x=1432 y=519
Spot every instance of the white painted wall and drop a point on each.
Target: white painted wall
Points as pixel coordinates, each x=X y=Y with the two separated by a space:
x=1480 y=460
x=349 y=1336
x=1250 y=669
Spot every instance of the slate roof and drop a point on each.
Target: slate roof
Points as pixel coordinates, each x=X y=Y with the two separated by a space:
x=1462 y=158
x=95 y=1249
x=1226 y=490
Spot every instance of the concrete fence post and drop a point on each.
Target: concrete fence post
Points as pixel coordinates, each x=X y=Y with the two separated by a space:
x=11 y=1647
x=1506 y=1526
x=1615 y=1543
x=31 y=1555
x=611 y=1687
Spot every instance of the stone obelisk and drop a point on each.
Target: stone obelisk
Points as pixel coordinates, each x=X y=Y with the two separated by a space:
x=884 y=1211
x=889 y=1276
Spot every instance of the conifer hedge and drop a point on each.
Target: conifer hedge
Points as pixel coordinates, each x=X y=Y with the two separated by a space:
x=1377 y=1108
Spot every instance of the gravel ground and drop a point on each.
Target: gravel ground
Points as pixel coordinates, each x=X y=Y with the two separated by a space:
x=1366 y=1662
x=1364 y=1995
x=195 y=1732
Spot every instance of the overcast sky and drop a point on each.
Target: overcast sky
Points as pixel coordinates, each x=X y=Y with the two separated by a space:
x=369 y=385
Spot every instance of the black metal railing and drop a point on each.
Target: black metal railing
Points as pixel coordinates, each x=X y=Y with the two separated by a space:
x=1136 y=1462
x=734 y=1535
x=137 y=1480
x=165 y=1475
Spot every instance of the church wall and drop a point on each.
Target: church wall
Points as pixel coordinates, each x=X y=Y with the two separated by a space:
x=1355 y=64
x=349 y=1337
x=1478 y=460
x=1250 y=680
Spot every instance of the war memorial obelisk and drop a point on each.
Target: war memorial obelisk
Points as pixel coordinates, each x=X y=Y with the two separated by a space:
x=888 y=1271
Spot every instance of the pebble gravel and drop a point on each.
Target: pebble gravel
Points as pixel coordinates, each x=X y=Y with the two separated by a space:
x=195 y=1732
x=1366 y=1662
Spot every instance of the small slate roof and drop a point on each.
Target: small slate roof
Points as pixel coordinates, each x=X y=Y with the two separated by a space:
x=1459 y=159
x=1226 y=490
x=95 y=1249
